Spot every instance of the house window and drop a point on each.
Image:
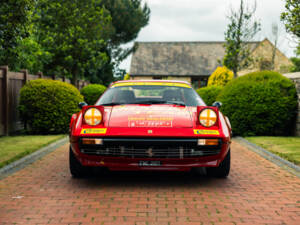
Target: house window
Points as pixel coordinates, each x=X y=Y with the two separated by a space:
x=198 y=82
x=203 y=82
x=195 y=84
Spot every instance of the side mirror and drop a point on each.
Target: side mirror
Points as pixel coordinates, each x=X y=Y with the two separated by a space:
x=217 y=104
x=81 y=104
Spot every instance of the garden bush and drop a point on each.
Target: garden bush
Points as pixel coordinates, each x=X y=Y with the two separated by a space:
x=209 y=94
x=221 y=76
x=47 y=105
x=92 y=92
x=260 y=103
x=127 y=76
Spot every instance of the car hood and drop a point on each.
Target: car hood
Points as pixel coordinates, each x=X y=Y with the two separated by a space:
x=150 y=116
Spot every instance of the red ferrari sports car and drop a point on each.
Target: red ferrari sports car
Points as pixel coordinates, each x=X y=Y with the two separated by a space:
x=150 y=125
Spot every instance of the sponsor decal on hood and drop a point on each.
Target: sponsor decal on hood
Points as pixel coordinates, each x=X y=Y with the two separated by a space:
x=150 y=116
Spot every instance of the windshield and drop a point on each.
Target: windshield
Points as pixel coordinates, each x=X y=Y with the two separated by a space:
x=150 y=94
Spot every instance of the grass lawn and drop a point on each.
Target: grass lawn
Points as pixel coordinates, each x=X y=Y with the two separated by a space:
x=285 y=147
x=15 y=147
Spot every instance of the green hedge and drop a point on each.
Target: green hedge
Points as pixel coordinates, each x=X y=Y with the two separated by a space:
x=92 y=92
x=209 y=94
x=48 y=105
x=260 y=103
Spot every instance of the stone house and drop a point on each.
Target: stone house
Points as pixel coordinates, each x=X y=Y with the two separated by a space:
x=194 y=61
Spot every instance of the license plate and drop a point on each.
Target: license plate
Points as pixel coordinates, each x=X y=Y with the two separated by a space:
x=149 y=163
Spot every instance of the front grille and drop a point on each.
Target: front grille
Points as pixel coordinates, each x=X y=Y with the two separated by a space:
x=150 y=148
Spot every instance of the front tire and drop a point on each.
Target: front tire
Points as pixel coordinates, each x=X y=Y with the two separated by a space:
x=77 y=170
x=222 y=171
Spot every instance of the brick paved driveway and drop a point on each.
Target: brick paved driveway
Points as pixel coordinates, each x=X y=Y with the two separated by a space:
x=256 y=192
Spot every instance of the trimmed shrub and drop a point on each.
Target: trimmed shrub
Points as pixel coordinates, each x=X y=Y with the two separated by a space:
x=47 y=105
x=260 y=103
x=92 y=92
x=209 y=94
x=221 y=76
x=127 y=76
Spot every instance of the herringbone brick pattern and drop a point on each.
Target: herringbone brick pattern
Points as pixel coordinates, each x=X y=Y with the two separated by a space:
x=256 y=192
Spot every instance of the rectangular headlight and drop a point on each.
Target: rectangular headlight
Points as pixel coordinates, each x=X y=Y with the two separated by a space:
x=92 y=141
x=201 y=141
x=208 y=141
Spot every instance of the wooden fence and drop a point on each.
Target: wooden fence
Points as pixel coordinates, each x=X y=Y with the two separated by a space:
x=10 y=85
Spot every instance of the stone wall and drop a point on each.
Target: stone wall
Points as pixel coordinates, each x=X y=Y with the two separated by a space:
x=295 y=77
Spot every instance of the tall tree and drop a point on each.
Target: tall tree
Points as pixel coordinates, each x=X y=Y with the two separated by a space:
x=291 y=17
x=84 y=38
x=240 y=30
x=296 y=64
x=15 y=18
x=128 y=18
x=75 y=33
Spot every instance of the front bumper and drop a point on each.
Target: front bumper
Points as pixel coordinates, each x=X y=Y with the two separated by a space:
x=180 y=154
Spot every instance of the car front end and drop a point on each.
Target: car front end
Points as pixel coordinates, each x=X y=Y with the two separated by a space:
x=144 y=135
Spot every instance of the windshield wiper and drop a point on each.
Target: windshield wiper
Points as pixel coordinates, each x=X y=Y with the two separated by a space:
x=176 y=103
x=112 y=104
x=151 y=102
x=161 y=102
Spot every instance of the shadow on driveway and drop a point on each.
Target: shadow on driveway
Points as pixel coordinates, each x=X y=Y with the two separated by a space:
x=155 y=179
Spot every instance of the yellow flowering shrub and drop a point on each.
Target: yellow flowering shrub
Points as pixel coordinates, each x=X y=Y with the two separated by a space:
x=220 y=77
x=127 y=76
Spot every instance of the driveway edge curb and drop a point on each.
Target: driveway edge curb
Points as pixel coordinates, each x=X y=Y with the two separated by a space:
x=292 y=168
x=28 y=159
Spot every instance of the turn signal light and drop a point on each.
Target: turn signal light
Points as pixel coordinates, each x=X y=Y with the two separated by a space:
x=92 y=141
x=208 y=141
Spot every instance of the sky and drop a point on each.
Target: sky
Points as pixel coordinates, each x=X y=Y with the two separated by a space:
x=206 y=20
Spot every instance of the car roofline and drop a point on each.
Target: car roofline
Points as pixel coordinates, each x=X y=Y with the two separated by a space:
x=165 y=81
